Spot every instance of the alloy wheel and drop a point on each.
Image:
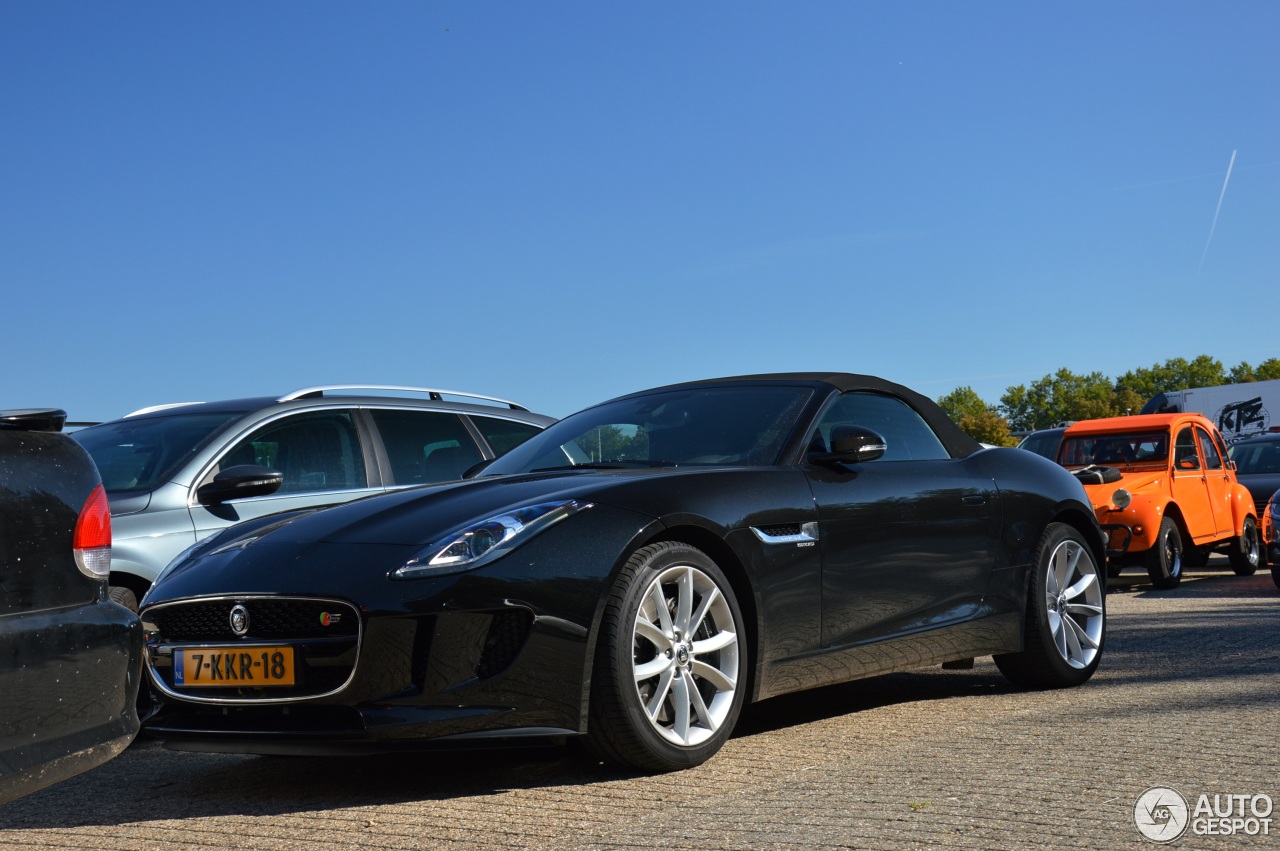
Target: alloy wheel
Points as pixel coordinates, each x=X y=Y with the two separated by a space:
x=686 y=655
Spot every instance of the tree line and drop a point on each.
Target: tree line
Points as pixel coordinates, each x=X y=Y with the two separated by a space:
x=1065 y=395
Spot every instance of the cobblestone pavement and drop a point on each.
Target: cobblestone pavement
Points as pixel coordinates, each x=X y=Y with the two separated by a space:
x=1186 y=698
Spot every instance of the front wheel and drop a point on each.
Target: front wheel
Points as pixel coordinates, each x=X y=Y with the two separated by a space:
x=1065 y=618
x=1246 y=550
x=670 y=670
x=1164 y=559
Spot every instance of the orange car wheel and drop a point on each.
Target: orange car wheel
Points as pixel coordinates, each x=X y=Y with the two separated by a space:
x=1164 y=559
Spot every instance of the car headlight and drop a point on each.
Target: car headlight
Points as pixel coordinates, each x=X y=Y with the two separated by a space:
x=488 y=540
x=1121 y=498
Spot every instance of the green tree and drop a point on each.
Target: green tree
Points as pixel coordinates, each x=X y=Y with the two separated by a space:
x=976 y=418
x=1268 y=370
x=1173 y=374
x=987 y=427
x=1058 y=397
x=962 y=401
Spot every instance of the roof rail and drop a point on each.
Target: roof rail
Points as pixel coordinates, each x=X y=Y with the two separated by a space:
x=434 y=393
x=154 y=408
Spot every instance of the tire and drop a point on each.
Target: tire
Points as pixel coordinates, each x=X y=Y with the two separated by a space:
x=1245 y=551
x=123 y=596
x=1164 y=559
x=660 y=700
x=1275 y=575
x=1064 y=626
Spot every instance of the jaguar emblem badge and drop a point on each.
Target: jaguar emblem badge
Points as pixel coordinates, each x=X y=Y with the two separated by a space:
x=239 y=620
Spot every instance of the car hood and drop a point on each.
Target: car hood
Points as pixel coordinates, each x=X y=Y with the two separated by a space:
x=1261 y=485
x=1134 y=483
x=421 y=516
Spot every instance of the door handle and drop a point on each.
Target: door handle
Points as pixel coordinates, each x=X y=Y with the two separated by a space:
x=974 y=499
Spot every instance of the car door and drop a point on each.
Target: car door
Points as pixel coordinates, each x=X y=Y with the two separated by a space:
x=1189 y=485
x=321 y=453
x=1218 y=481
x=907 y=541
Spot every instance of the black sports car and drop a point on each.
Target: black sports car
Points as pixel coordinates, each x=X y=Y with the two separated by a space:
x=634 y=574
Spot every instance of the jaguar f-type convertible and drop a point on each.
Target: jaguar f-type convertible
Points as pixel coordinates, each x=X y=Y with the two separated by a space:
x=633 y=575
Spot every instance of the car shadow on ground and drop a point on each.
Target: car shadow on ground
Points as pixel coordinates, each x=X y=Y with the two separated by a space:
x=165 y=785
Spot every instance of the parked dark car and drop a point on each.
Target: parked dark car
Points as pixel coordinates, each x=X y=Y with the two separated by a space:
x=1044 y=442
x=70 y=659
x=634 y=574
x=1257 y=461
x=177 y=473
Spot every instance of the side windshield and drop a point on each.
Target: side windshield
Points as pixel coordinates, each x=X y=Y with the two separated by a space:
x=1114 y=450
x=141 y=454
x=733 y=425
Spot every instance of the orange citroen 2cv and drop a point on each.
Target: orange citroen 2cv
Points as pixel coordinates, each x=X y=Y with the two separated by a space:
x=1164 y=492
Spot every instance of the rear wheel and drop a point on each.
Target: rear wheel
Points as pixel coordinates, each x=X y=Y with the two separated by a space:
x=1164 y=560
x=123 y=596
x=1246 y=550
x=670 y=670
x=1066 y=615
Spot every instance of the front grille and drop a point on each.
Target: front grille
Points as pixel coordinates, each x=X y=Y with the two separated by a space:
x=270 y=619
x=324 y=635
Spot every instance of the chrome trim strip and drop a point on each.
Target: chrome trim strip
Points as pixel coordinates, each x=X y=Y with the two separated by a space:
x=808 y=533
x=159 y=683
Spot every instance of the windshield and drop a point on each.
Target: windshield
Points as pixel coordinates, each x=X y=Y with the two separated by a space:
x=1115 y=449
x=138 y=455
x=1256 y=458
x=726 y=425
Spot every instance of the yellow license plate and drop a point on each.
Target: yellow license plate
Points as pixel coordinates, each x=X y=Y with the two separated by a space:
x=229 y=667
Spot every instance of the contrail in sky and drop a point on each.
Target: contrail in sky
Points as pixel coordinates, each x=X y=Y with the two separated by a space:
x=1214 y=226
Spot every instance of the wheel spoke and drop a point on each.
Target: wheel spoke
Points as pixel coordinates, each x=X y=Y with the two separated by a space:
x=699 y=706
x=655 y=636
x=650 y=669
x=654 y=706
x=699 y=616
x=1064 y=565
x=712 y=675
x=1059 y=636
x=680 y=696
x=659 y=602
x=1084 y=609
x=719 y=641
x=1080 y=587
x=1071 y=639
x=684 y=601
x=1080 y=636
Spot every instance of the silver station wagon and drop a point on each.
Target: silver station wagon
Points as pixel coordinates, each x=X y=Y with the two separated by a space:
x=175 y=474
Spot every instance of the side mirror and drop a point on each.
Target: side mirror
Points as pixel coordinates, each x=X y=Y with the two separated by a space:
x=851 y=445
x=238 y=482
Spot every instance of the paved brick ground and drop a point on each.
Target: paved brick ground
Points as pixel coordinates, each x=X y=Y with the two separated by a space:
x=1186 y=697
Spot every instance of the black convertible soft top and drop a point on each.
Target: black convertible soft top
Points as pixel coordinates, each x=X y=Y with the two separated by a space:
x=958 y=444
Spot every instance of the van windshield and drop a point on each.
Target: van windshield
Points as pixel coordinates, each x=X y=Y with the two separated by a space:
x=139 y=455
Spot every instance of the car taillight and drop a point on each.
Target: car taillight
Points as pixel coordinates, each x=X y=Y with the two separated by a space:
x=92 y=541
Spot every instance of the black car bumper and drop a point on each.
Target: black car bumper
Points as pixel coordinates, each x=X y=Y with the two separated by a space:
x=69 y=695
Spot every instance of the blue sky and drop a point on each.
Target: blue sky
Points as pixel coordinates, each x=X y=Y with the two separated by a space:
x=561 y=202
